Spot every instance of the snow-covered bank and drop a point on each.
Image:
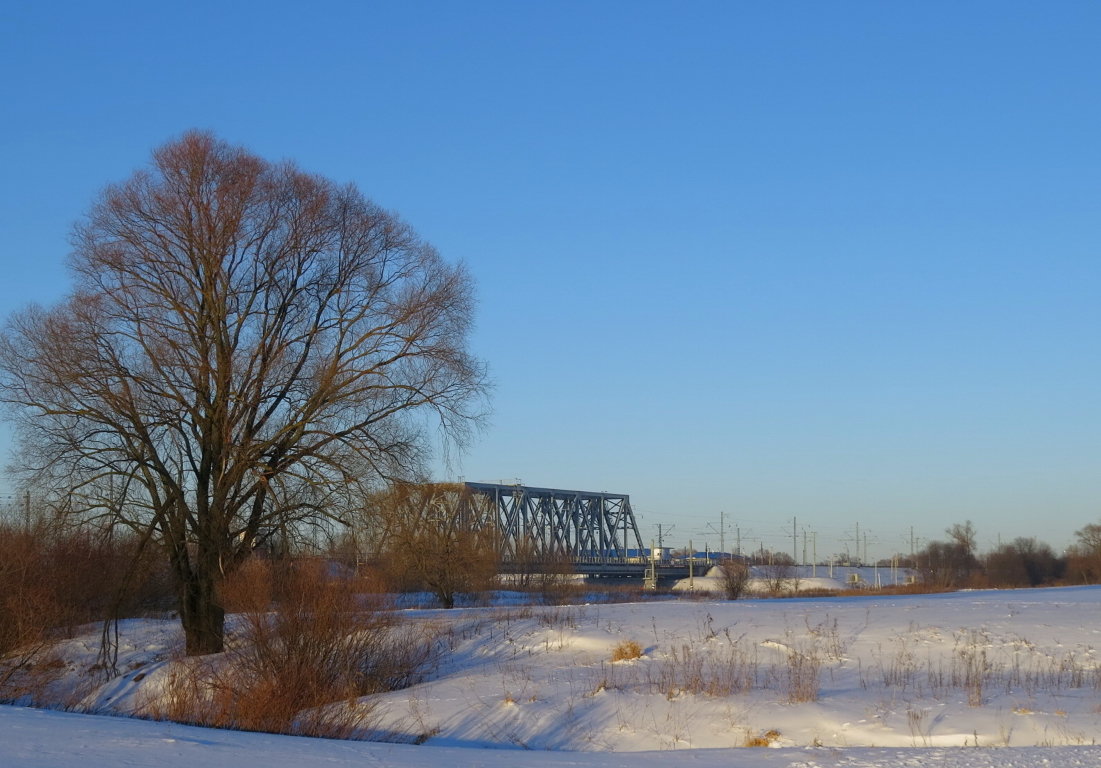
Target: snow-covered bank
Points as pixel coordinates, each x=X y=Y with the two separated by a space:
x=835 y=679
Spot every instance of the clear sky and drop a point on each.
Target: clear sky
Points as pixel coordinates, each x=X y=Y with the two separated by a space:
x=836 y=262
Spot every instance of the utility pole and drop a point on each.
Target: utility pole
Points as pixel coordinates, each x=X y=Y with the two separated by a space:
x=794 y=542
x=661 y=538
x=814 y=554
x=722 y=534
x=650 y=581
x=804 y=546
x=738 y=533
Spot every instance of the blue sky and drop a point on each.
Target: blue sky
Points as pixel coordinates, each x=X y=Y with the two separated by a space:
x=837 y=262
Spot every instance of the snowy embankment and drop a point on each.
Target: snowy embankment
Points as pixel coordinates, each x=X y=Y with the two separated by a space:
x=764 y=579
x=879 y=680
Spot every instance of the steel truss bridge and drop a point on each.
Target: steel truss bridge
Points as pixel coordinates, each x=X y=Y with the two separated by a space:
x=595 y=534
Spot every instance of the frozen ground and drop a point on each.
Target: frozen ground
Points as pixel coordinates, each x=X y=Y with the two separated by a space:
x=990 y=678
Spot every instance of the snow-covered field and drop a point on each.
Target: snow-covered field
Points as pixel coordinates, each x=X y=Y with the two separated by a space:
x=985 y=678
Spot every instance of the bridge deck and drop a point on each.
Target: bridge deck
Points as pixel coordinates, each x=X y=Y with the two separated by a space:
x=621 y=570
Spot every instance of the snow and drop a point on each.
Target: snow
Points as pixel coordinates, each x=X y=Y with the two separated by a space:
x=802 y=578
x=32 y=738
x=984 y=678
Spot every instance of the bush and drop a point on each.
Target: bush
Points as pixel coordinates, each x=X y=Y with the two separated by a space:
x=734 y=577
x=306 y=648
x=55 y=577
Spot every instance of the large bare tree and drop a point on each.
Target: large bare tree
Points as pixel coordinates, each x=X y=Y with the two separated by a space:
x=244 y=343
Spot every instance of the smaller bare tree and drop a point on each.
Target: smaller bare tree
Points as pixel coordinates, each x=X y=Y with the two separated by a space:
x=432 y=540
x=734 y=577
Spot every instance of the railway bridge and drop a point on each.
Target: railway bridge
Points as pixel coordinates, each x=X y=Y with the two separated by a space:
x=590 y=533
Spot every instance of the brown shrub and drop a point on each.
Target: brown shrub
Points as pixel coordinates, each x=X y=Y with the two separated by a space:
x=305 y=650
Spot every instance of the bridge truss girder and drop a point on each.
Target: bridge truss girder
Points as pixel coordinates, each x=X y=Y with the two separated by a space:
x=545 y=524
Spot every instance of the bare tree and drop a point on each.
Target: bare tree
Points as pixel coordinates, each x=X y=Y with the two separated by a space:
x=436 y=537
x=963 y=536
x=1089 y=536
x=1084 y=557
x=245 y=343
x=1025 y=562
x=950 y=564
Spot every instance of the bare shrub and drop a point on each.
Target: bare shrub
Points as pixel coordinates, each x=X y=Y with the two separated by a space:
x=734 y=578
x=305 y=652
x=186 y=694
x=55 y=577
x=28 y=601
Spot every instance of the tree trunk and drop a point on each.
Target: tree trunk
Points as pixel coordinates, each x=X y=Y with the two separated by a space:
x=202 y=613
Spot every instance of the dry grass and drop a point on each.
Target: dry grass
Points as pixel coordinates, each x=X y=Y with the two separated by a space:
x=561 y=617
x=917 y=588
x=712 y=671
x=766 y=739
x=626 y=651
x=800 y=681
